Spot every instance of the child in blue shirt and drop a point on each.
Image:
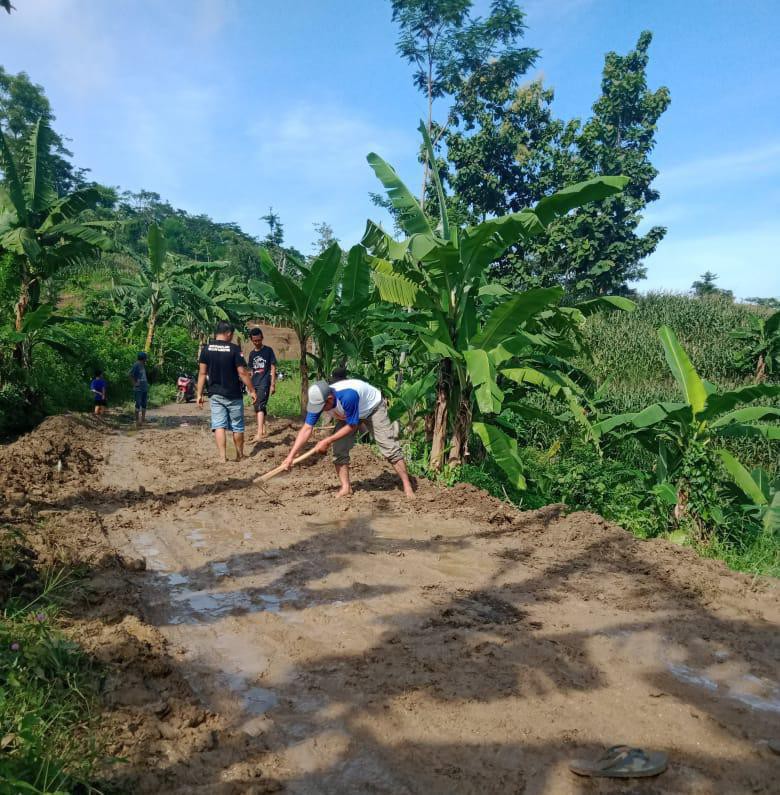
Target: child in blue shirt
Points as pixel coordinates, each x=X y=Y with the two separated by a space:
x=99 y=387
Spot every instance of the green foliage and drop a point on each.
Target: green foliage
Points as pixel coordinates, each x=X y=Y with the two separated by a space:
x=683 y=433
x=706 y=288
x=482 y=343
x=508 y=151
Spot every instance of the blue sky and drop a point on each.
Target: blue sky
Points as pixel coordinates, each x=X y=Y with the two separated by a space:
x=229 y=106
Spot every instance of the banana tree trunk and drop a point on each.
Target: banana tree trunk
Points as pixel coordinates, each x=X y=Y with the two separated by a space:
x=150 y=329
x=761 y=369
x=22 y=303
x=303 y=341
x=460 y=432
x=440 y=414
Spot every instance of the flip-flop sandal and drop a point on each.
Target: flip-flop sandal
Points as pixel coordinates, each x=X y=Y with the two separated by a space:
x=622 y=761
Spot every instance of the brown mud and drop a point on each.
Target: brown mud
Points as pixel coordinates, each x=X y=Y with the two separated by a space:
x=279 y=639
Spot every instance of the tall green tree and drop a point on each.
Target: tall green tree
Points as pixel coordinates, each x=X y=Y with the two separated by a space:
x=454 y=52
x=510 y=152
x=599 y=250
x=706 y=286
x=22 y=104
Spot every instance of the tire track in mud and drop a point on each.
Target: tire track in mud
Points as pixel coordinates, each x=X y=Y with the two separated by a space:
x=451 y=645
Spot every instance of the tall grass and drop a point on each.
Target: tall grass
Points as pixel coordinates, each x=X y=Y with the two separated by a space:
x=48 y=686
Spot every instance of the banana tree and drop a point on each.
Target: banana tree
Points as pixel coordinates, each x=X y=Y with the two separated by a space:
x=41 y=327
x=41 y=230
x=215 y=297
x=762 y=492
x=303 y=305
x=682 y=434
x=763 y=340
x=160 y=289
x=441 y=272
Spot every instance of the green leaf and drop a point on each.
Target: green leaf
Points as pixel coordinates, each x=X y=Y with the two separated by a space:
x=590 y=190
x=445 y=223
x=772 y=324
x=13 y=181
x=38 y=190
x=503 y=450
x=286 y=290
x=413 y=394
x=606 y=303
x=318 y=282
x=37 y=318
x=742 y=478
x=725 y=401
x=382 y=245
x=683 y=371
x=482 y=373
x=772 y=516
x=411 y=218
x=157 y=249
x=356 y=281
x=482 y=244
x=505 y=320
x=393 y=287
x=748 y=414
x=736 y=429
x=666 y=493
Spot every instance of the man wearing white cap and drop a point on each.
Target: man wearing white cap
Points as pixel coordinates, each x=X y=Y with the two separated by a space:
x=350 y=402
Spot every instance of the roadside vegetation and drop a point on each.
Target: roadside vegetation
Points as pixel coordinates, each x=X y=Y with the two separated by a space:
x=49 y=699
x=498 y=315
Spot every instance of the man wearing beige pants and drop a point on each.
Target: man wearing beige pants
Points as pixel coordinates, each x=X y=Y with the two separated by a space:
x=350 y=402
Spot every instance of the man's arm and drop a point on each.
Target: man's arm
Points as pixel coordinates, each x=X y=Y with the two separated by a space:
x=304 y=434
x=244 y=375
x=202 y=371
x=273 y=378
x=345 y=430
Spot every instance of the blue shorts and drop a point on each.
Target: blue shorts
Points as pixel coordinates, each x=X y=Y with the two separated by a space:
x=141 y=399
x=227 y=413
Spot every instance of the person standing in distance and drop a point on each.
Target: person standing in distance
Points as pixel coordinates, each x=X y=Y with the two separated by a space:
x=262 y=366
x=140 y=388
x=351 y=403
x=223 y=363
x=98 y=388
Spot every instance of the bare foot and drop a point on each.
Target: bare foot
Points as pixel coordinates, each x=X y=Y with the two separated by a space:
x=410 y=495
x=344 y=493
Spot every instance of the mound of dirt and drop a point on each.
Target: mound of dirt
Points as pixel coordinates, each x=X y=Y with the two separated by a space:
x=62 y=451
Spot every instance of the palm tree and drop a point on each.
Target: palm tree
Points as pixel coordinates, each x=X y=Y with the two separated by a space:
x=161 y=288
x=39 y=229
x=216 y=298
x=304 y=306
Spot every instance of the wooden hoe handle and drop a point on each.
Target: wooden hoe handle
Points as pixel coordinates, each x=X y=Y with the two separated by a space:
x=278 y=470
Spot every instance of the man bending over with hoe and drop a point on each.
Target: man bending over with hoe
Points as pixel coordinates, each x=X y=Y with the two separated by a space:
x=351 y=403
x=223 y=363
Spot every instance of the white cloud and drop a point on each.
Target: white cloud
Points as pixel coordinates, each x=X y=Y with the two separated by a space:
x=312 y=167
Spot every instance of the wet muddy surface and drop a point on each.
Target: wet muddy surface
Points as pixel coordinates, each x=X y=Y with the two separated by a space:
x=452 y=645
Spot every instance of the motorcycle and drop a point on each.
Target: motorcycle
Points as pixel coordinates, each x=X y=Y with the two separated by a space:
x=185 y=388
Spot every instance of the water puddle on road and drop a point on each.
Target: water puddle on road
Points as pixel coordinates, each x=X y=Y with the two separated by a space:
x=752 y=691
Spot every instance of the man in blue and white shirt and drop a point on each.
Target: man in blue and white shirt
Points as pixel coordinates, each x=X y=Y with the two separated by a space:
x=351 y=403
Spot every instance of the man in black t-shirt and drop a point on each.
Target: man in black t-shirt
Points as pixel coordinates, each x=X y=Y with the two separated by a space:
x=262 y=366
x=222 y=361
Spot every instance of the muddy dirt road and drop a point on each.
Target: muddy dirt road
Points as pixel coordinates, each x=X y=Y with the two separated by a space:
x=452 y=645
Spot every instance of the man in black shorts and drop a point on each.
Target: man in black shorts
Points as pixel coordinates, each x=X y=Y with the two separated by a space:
x=262 y=366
